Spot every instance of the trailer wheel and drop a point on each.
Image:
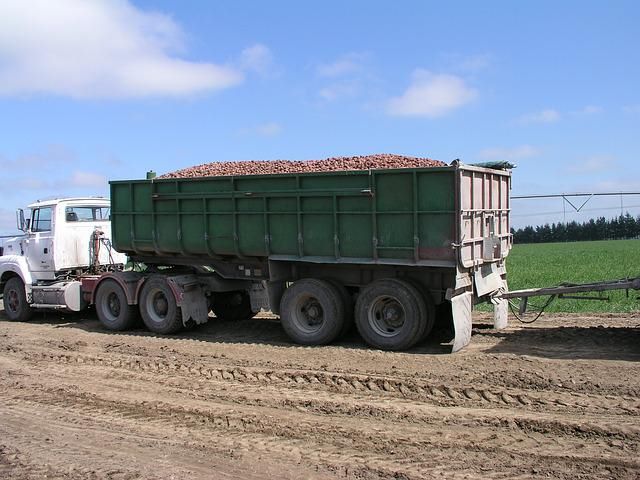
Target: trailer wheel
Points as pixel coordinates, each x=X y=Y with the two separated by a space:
x=232 y=306
x=431 y=308
x=112 y=307
x=391 y=314
x=15 y=302
x=160 y=312
x=312 y=312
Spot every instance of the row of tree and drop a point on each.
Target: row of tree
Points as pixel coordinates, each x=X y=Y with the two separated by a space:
x=622 y=227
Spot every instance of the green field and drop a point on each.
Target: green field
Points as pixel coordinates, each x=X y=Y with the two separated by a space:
x=549 y=264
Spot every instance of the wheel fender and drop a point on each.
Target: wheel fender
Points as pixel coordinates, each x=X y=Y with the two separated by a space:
x=11 y=265
x=131 y=282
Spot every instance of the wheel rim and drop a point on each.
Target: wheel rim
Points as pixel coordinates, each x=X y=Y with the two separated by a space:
x=113 y=306
x=386 y=316
x=13 y=301
x=308 y=314
x=157 y=305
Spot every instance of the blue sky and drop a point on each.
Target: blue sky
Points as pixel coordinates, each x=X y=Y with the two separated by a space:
x=101 y=90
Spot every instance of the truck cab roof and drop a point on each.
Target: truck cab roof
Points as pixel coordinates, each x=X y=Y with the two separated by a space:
x=98 y=201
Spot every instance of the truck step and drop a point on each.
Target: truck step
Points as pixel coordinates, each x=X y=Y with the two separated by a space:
x=51 y=306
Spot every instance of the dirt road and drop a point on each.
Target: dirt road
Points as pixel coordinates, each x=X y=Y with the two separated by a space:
x=557 y=399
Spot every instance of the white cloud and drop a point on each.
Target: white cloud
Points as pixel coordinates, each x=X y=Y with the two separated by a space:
x=98 y=49
x=468 y=63
x=257 y=58
x=631 y=108
x=617 y=185
x=338 y=90
x=509 y=153
x=593 y=164
x=474 y=63
x=72 y=181
x=28 y=183
x=52 y=156
x=589 y=110
x=87 y=180
x=548 y=115
x=54 y=171
x=346 y=65
x=269 y=129
x=431 y=95
x=347 y=77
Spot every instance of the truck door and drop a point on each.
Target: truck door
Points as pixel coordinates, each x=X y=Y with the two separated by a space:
x=39 y=244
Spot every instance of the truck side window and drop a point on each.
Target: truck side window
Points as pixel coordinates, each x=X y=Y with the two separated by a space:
x=41 y=220
x=86 y=214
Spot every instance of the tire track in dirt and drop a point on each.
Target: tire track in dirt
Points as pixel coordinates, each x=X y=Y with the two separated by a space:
x=385 y=452
x=79 y=441
x=323 y=412
x=230 y=434
x=441 y=394
x=518 y=428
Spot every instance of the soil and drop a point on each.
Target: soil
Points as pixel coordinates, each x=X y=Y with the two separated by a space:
x=556 y=399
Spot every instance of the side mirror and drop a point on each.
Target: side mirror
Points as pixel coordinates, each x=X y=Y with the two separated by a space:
x=20 y=221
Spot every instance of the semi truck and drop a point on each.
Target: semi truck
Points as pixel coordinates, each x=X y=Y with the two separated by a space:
x=388 y=250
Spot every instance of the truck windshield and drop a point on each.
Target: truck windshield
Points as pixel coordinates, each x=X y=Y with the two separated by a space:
x=86 y=214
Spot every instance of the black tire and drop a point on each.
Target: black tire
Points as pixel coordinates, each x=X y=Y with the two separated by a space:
x=347 y=301
x=112 y=308
x=431 y=315
x=391 y=314
x=14 y=299
x=158 y=307
x=232 y=306
x=431 y=308
x=312 y=312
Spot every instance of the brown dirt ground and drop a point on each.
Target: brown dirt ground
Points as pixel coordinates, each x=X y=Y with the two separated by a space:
x=556 y=399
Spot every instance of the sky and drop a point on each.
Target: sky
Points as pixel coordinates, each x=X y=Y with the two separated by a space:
x=109 y=89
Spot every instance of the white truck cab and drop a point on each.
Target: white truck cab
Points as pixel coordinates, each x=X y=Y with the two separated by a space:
x=63 y=239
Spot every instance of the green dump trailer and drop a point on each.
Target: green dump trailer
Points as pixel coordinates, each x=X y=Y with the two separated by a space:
x=388 y=250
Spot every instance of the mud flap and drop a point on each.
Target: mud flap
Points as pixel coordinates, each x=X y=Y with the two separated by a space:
x=461 y=308
x=190 y=298
x=500 y=314
x=194 y=306
x=500 y=305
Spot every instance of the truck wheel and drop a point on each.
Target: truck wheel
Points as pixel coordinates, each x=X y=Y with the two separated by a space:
x=112 y=307
x=312 y=312
x=15 y=301
x=431 y=308
x=232 y=306
x=347 y=301
x=391 y=314
x=160 y=312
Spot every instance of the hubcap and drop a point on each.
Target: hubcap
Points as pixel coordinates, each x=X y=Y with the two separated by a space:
x=157 y=306
x=308 y=314
x=160 y=304
x=113 y=302
x=13 y=302
x=386 y=316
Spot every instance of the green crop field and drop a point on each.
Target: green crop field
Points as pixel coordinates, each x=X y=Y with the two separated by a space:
x=549 y=264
